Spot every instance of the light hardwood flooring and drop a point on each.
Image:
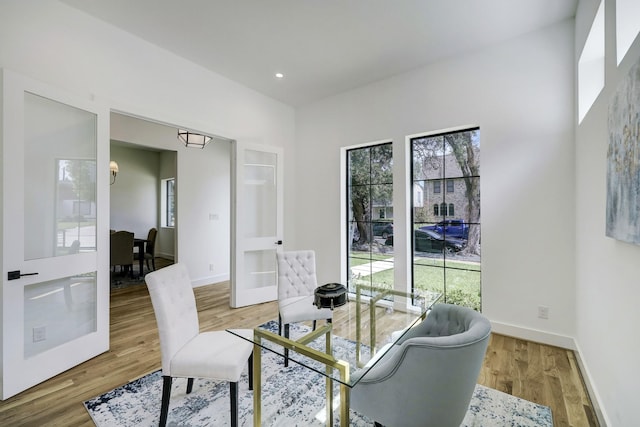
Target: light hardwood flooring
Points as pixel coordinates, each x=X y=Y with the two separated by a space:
x=539 y=373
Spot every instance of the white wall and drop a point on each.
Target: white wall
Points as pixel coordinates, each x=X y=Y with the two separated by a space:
x=166 y=238
x=136 y=199
x=521 y=94
x=134 y=194
x=607 y=270
x=56 y=44
x=142 y=136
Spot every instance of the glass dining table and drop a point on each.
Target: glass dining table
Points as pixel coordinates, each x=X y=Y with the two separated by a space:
x=344 y=350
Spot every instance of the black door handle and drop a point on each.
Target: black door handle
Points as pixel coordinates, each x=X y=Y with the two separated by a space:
x=13 y=275
x=279 y=242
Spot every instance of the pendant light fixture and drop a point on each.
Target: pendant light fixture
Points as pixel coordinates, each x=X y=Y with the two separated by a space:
x=192 y=139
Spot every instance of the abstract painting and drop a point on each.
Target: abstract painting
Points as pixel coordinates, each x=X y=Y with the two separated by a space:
x=623 y=160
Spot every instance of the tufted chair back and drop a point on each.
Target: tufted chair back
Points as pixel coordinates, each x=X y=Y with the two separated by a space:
x=296 y=274
x=175 y=307
x=444 y=320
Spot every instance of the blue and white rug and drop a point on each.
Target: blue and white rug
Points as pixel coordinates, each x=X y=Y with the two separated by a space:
x=292 y=396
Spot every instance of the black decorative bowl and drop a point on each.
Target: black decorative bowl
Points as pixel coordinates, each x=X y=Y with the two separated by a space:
x=330 y=296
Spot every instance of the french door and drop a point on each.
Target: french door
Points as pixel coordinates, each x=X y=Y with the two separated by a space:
x=257 y=198
x=55 y=287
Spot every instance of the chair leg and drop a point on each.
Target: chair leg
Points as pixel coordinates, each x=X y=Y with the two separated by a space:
x=189 y=385
x=314 y=325
x=286 y=350
x=166 y=394
x=233 y=392
x=251 y=371
x=279 y=324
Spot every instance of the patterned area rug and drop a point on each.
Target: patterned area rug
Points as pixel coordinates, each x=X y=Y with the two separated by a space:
x=120 y=279
x=292 y=396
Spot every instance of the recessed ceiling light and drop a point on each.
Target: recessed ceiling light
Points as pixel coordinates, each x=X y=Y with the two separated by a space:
x=279 y=75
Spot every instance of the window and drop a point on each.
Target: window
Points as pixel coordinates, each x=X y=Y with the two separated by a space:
x=446 y=253
x=369 y=191
x=443 y=209
x=168 y=202
x=76 y=204
x=591 y=65
x=449 y=186
x=627 y=25
x=436 y=187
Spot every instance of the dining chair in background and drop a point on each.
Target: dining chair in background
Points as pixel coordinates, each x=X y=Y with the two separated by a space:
x=297 y=283
x=149 y=253
x=122 y=250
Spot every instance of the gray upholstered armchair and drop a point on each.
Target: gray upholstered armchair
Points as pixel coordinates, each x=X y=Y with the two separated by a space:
x=428 y=378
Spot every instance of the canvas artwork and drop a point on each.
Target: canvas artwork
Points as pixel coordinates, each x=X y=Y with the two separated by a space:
x=623 y=160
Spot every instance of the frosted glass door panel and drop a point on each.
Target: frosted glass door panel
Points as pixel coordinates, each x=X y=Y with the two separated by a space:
x=58 y=311
x=59 y=178
x=256 y=222
x=260 y=194
x=260 y=269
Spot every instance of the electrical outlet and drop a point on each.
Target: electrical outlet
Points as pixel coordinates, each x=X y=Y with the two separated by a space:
x=543 y=312
x=39 y=333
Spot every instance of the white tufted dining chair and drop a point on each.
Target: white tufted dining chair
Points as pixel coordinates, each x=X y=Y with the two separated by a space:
x=185 y=351
x=296 y=285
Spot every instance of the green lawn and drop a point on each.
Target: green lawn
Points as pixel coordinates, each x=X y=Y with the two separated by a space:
x=359 y=258
x=462 y=278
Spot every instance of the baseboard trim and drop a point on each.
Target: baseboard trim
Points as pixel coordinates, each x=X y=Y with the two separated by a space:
x=165 y=256
x=603 y=419
x=210 y=280
x=534 y=335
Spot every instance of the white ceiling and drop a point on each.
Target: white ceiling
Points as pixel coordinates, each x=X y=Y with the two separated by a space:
x=323 y=47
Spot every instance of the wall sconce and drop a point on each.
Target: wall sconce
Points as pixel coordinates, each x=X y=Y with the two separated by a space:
x=113 y=167
x=191 y=139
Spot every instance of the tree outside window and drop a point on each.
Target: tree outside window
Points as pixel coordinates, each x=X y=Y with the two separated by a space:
x=369 y=190
x=449 y=262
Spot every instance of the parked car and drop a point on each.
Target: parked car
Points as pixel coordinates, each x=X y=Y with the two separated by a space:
x=430 y=241
x=450 y=228
x=384 y=229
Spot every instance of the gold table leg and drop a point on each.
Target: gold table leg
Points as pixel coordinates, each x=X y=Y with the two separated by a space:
x=257 y=382
x=343 y=367
x=300 y=347
x=329 y=382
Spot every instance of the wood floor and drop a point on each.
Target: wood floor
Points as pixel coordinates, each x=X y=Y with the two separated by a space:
x=539 y=373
